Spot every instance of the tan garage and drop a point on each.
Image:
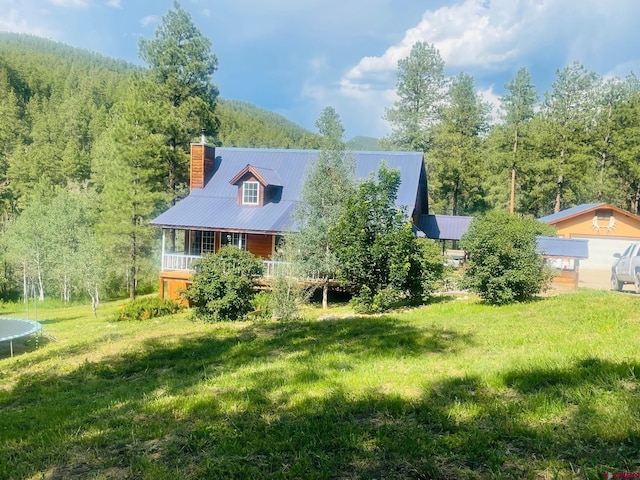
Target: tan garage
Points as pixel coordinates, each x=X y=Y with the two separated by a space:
x=608 y=229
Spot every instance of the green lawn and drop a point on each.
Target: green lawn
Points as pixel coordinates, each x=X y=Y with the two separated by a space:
x=456 y=389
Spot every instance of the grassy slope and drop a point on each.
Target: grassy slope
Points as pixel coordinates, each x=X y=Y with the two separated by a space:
x=453 y=390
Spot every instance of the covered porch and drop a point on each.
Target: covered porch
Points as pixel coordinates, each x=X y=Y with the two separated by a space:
x=181 y=247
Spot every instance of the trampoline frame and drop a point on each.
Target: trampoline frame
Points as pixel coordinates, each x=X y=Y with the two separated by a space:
x=35 y=328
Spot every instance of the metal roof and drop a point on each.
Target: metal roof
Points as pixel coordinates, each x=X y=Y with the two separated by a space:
x=215 y=206
x=563 y=247
x=570 y=212
x=444 y=227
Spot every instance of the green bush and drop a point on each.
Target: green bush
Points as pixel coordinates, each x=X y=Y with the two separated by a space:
x=261 y=304
x=504 y=266
x=222 y=288
x=146 y=308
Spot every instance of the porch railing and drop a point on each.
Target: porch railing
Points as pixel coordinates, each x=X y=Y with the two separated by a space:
x=181 y=262
x=178 y=261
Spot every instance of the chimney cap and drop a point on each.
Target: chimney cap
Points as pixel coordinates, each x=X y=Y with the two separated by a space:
x=203 y=136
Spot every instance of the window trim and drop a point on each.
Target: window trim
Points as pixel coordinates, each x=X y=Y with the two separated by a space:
x=255 y=185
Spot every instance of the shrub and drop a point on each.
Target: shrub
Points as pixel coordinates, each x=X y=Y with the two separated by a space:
x=504 y=266
x=383 y=300
x=146 y=308
x=222 y=287
x=261 y=304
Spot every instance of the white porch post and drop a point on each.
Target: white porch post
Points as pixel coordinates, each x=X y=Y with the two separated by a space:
x=164 y=242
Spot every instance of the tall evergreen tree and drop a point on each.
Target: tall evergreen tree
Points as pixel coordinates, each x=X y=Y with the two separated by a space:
x=129 y=179
x=569 y=108
x=327 y=185
x=612 y=95
x=421 y=90
x=456 y=161
x=518 y=107
x=180 y=65
x=626 y=149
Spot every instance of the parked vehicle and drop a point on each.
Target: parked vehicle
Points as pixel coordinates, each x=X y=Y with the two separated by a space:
x=626 y=268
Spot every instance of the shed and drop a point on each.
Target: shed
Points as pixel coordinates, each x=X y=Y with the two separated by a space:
x=564 y=256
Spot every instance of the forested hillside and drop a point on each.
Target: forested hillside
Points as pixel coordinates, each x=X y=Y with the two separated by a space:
x=92 y=148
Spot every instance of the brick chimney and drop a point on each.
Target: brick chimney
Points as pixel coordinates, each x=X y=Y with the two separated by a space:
x=203 y=159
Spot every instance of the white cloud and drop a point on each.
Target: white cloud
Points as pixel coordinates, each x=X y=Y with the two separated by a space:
x=114 y=3
x=14 y=22
x=493 y=101
x=149 y=20
x=493 y=37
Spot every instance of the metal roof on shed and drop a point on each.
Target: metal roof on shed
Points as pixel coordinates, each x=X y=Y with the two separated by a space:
x=215 y=206
x=563 y=247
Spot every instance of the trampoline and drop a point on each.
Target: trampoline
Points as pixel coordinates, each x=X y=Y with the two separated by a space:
x=12 y=328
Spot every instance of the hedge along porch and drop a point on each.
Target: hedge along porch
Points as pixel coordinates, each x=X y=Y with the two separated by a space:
x=245 y=197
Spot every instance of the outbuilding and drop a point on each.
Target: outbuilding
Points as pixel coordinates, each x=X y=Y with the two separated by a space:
x=608 y=230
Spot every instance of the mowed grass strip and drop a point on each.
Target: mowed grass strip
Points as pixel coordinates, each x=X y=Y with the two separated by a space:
x=456 y=389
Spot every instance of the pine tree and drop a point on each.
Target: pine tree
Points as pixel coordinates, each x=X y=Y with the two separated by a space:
x=456 y=161
x=129 y=179
x=421 y=90
x=180 y=68
x=327 y=184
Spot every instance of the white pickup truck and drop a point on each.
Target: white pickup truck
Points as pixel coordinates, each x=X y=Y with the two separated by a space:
x=626 y=268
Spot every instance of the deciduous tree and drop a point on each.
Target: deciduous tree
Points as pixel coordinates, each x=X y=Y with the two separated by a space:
x=504 y=265
x=379 y=256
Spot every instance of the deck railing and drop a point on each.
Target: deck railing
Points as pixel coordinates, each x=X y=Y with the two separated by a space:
x=178 y=261
x=181 y=262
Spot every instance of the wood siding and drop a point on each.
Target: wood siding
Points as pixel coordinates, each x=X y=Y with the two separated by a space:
x=172 y=284
x=583 y=225
x=260 y=245
x=202 y=165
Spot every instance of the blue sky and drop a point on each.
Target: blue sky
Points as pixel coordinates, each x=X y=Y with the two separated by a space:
x=295 y=57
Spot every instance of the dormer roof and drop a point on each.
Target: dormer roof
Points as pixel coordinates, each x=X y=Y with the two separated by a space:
x=266 y=176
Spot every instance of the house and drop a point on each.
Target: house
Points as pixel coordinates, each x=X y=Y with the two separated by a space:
x=608 y=230
x=245 y=197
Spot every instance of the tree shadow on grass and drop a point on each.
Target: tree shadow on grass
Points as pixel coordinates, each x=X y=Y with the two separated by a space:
x=261 y=402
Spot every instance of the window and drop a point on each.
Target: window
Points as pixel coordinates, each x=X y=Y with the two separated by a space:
x=237 y=239
x=208 y=242
x=603 y=214
x=250 y=193
x=202 y=242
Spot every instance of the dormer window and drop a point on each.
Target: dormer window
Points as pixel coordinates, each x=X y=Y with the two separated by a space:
x=257 y=186
x=250 y=193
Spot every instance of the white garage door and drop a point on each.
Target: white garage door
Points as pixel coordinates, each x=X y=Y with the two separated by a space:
x=601 y=252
